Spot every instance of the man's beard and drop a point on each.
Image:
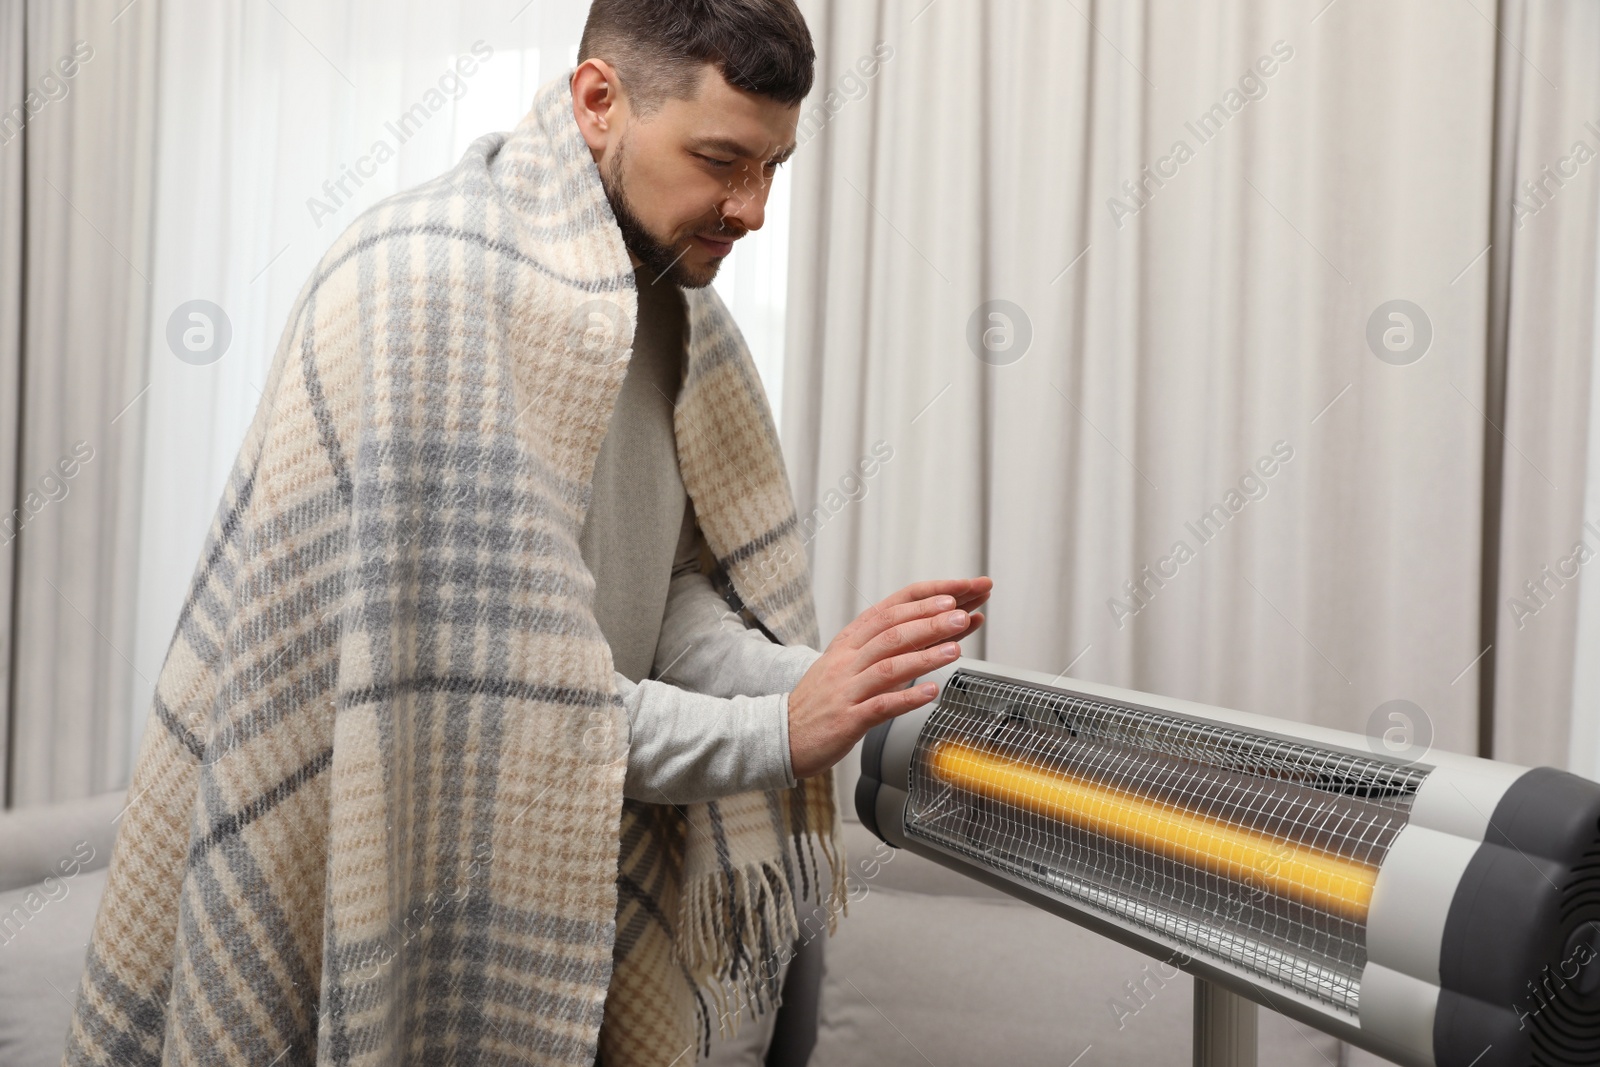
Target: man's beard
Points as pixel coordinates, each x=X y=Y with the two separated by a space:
x=663 y=260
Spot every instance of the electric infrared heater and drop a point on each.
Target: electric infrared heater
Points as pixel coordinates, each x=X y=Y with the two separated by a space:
x=1439 y=912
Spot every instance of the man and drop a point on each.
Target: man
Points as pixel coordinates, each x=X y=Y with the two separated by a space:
x=416 y=786
x=687 y=147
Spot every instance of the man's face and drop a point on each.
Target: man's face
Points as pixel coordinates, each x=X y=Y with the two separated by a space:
x=692 y=177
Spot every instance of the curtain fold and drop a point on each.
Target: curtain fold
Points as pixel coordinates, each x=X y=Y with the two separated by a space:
x=13 y=76
x=82 y=283
x=1544 y=296
x=1584 y=757
x=1194 y=447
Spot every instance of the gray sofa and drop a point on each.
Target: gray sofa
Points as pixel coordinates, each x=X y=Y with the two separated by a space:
x=929 y=968
x=52 y=872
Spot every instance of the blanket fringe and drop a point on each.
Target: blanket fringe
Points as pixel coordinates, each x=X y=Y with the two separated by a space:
x=738 y=932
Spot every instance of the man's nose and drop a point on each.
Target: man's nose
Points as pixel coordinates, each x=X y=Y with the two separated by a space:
x=746 y=204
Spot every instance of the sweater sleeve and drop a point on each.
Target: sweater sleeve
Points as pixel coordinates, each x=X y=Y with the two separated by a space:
x=713 y=720
x=687 y=747
x=706 y=648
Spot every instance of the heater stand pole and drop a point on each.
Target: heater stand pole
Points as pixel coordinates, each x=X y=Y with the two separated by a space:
x=1224 y=1027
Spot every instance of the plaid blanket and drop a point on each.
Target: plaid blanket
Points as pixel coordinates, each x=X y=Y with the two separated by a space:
x=377 y=815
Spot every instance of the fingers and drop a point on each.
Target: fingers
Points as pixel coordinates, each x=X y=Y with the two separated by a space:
x=915 y=634
x=886 y=706
x=975 y=621
x=972 y=601
x=952 y=587
x=915 y=601
x=879 y=619
x=894 y=672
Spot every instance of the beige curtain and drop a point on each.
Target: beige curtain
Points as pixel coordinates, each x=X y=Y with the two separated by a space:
x=1543 y=341
x=73 y=271
x=1227 y=466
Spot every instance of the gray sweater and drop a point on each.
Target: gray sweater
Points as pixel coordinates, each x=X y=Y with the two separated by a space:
x=707 y=698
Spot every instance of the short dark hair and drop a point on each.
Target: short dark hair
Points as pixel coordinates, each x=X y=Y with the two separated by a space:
x=659 y=46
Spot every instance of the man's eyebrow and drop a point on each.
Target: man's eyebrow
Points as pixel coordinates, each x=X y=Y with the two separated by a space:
x=732 y=147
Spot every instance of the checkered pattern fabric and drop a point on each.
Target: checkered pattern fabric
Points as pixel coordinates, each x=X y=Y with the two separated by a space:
x=377 y=815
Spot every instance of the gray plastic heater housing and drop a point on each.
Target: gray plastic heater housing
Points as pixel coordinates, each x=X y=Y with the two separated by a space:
x=1482 y=937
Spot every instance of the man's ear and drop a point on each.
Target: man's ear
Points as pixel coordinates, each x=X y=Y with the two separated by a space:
x=597 y=104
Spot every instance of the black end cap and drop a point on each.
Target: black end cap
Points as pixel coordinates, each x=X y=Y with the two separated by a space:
x=1468 y=1031
x=871 y=778
x=1519 y=967
x=872 y=750
x=1548 y=813
x=867 y=805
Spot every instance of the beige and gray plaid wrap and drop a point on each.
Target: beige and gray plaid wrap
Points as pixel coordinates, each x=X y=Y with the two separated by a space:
x=377 y=814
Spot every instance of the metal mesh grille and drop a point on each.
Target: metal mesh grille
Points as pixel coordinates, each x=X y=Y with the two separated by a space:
x=1241 y=847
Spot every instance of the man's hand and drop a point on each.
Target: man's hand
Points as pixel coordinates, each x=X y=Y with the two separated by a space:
x=860 y=679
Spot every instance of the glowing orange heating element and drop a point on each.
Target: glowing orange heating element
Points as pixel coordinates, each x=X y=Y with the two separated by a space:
x=1297 y=872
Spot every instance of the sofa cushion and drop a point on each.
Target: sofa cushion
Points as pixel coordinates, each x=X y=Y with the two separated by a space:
x=913 y=978
x=44 y=935
x=57 y=839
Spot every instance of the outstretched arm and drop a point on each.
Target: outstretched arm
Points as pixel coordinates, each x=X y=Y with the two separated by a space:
x=727 y=711
x=688 y=746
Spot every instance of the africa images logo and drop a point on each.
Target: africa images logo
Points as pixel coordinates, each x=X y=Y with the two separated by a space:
x=199 y=332
x=1399 y=332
